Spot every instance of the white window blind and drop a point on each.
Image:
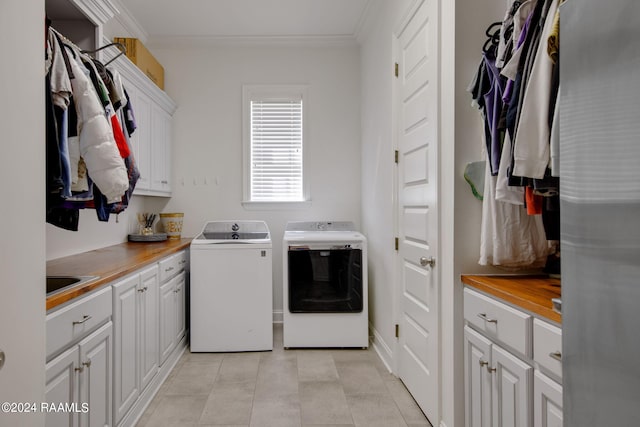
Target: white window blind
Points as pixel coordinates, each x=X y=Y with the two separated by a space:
x=276 y=150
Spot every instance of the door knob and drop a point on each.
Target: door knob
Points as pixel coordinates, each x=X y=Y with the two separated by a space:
x=430 y=261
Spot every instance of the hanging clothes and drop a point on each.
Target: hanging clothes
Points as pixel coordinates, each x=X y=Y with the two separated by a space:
x=531 y=143
x=509 y=238
x=520 y=206
x=92 y=164
x=96 y=141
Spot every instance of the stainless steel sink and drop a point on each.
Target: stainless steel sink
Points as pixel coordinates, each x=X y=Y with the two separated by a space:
x=59 y=283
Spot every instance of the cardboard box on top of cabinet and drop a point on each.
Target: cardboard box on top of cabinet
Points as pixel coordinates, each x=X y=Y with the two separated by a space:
x=139 y=55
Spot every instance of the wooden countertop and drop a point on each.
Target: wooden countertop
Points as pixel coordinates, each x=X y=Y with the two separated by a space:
x=109 y=264
x=531 y=293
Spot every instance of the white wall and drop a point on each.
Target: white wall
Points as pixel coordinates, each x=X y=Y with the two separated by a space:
x=206 y=83
x=22 y=306
x=93 y=234
x=463 y=36
x=378 y=169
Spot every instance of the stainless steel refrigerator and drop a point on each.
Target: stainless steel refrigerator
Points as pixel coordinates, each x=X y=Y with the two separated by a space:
x=600 y=211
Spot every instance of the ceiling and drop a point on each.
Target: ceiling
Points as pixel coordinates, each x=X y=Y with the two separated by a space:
x=165 y=19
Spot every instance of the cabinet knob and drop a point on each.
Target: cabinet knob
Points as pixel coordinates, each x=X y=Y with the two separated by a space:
x=80 y=369
x=483 y=362
x=491 y=370
x=87 y=363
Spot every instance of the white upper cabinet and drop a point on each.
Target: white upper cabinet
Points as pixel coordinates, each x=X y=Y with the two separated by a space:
x=151 y=141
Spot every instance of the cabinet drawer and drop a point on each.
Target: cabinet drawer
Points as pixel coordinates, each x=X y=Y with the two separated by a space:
x=168 y=267
x=70 y=323
x=547 y=346
x=182 y=260
x=499 y=321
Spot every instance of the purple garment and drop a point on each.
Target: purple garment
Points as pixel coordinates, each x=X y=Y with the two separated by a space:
x=493 y=109
x=523 y=35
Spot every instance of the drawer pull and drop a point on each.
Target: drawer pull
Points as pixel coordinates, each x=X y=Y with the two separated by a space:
x=168 y=269
x=84 y=319
x=484 y=317
x=556 y=355
x=483 y=362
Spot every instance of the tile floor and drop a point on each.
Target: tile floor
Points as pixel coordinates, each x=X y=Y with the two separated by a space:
x=282 y=388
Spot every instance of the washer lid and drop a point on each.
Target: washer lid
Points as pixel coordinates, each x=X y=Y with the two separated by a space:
x=228 y=232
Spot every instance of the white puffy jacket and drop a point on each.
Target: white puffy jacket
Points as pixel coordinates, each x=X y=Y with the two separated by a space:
x=97 y=144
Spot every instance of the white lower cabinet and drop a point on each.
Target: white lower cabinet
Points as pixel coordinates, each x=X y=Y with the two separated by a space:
x=477 y=357
x=172 y=314
x=80 y=377
x=497 y=384
x=96 y=377
x=148 y=311
x=103 y=349
x=511 y=388
x=505 y=380
x=547 y=401
x=135 y=302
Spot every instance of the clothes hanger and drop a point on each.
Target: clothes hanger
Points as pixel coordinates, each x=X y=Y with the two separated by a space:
x=493 y=36
x=121 y=47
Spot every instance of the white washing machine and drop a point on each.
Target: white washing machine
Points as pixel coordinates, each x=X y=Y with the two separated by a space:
x=231 y=287
x=324 y=285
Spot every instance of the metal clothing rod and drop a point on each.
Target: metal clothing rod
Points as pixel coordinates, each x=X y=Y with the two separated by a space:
x=121 y=47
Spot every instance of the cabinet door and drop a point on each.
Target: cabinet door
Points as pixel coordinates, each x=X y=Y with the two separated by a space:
x=142 y=110
x=167 y=318
x=125 y=324
x=547 y=399
x=96 y=353
x=160 y=150
x=512 y=406
x=148 y=313
x=180 y=299
x=477 y=358
x=62 y=387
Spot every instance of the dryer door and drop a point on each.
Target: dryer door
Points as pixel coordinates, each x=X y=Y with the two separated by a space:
x=325 y=280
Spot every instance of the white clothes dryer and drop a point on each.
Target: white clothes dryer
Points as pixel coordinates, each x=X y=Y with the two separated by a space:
x=325 y=295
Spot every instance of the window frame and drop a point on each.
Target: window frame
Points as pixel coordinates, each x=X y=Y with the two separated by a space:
x=262 y=91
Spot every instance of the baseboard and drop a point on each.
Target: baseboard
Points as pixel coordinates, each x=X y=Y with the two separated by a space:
x=278 y=316
x=145 y=398
x=381 y=347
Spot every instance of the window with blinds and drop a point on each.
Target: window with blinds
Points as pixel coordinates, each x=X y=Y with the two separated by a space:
x=276 y=150
x=275 y=146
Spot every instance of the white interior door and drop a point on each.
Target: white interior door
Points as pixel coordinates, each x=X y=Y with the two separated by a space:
x=417 y=106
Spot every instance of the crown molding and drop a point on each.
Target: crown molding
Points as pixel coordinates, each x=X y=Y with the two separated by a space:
x=130 y=23
x=265 y=41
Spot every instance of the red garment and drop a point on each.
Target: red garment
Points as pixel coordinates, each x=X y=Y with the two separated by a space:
x=121 y=142
x=533 y=202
